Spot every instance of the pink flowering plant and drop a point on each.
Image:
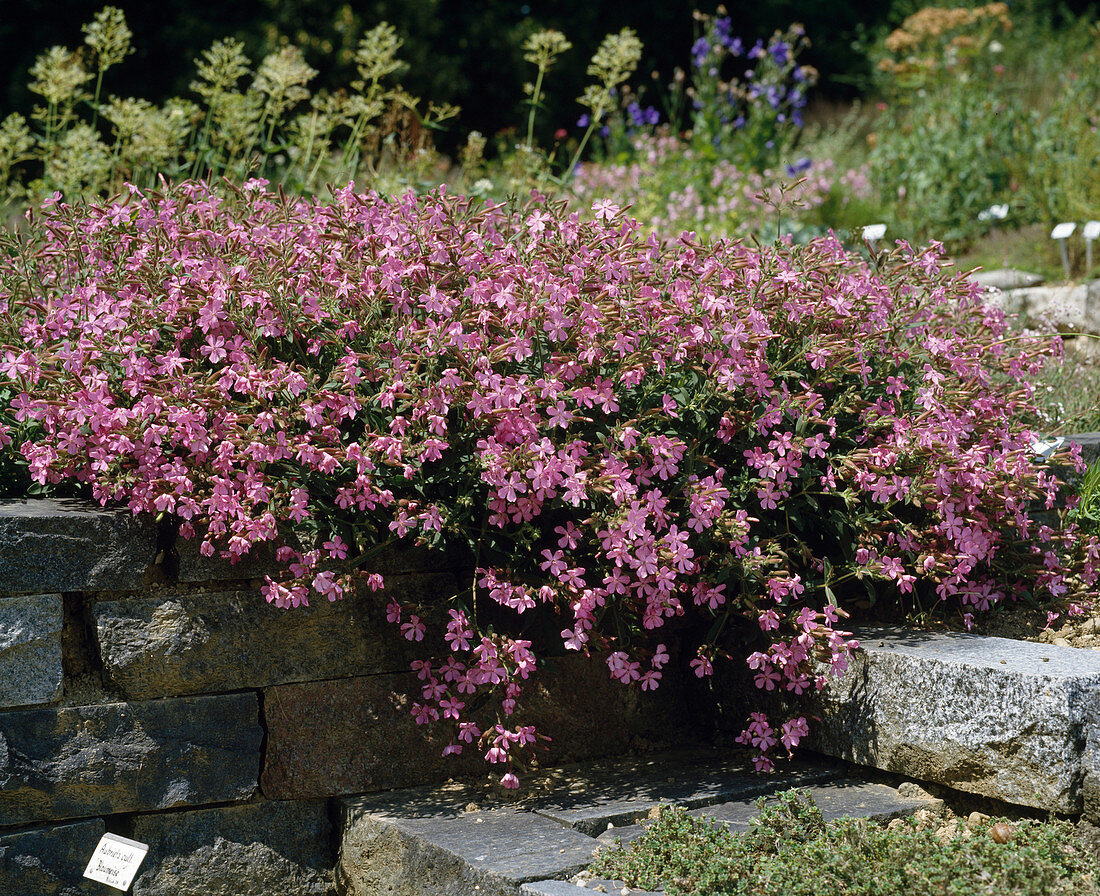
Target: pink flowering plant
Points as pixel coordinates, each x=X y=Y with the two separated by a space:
x=690 y=453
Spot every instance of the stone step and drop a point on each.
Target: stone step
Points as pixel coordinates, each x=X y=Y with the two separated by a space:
x=450 y=841
x=1014 y=721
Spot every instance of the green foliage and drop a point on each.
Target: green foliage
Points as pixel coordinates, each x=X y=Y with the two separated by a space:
x=792 y=851
x=248 y=121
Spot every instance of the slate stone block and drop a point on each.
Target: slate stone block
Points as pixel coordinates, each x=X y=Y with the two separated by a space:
x=996 y=717
x=421 y=849
x=179 y=644
x=50 y=861
x=371 y=742
x=125 y=757
x=836 y=799
x=262 y=848
x=60 y=544
x=30 y=649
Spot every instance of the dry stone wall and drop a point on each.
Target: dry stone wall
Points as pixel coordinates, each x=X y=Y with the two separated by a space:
x=151 y=692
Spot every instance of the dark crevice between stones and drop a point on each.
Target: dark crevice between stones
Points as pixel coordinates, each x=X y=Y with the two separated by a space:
x=168 y=558
x=82 y=671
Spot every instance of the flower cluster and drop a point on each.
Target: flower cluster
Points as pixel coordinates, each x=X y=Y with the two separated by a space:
x=664 y=188
x=936 y=42
x=677 y=448
x=753 y=113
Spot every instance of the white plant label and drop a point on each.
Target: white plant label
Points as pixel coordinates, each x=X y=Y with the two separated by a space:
x=994 y=213
x=1063 y=231
x=116 y=861
x=1091 y=230
x=874 y=232
x=1043 y=448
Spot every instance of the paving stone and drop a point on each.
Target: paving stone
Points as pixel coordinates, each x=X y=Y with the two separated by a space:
x=835 y=799
x=621 y=792
x=125 y=757
x=594 y=885
x=371 y=742
x=59 y=544
x=263 y=848
x=1001 y=718
x=177 y=644
x=30 y=649
x=1005 y=278
x=50 y=861
x=413 y=844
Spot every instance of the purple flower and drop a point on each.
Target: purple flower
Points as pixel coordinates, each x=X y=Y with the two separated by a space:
x=722 y=28
x=652 y=116
x=636 y=114
x=799 y=74
x=798 y=167
x=699 y=51
x=735 y=46
x=584 y=121
x=780 y=52
x=757 y=51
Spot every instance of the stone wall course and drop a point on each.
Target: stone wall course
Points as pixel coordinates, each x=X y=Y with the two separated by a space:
x=60 y=544
x=123 y=757
x=206 y=642
x=369 y=741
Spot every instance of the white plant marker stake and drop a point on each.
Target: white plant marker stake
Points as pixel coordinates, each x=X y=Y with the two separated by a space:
x=115 y=861
x=994 y=213
x=1090 y=232
x=872 y=233
x=1063 y=232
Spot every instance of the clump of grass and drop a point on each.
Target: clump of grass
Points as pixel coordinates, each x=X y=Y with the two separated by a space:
x=792 y=851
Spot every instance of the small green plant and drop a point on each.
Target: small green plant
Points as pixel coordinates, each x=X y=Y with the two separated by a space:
x=792 y=851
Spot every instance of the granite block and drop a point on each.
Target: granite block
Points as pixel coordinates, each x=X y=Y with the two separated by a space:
x=1000 y=718
x=30 y=649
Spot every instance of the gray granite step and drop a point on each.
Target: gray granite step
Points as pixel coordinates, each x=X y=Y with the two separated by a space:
x=1015 y=721
x=452 y=841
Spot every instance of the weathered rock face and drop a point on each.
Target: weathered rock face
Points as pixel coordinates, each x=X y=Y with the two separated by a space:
x=1071 y=307
x=123 y=757
x=49 y=861
x=54 y=545
x=30 y=649
x=1004 y=719
x=263 y=848
x=215 y=641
